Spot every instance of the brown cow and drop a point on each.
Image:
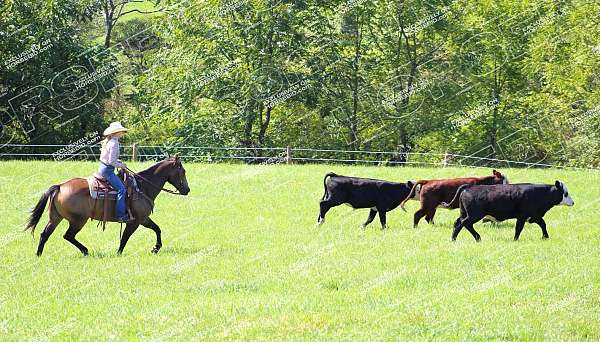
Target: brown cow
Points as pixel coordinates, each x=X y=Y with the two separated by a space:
x=435 y=191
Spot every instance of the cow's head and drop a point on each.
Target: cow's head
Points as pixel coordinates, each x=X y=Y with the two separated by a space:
x=566 y=198
x=417 y=194
x=499 y=178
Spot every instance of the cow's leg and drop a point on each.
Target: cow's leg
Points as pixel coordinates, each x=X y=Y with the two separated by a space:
x=382 y=218
x=370 y=219
x=429 y=216
x=469 y=226
x=519 y=227
x=324 y=207
x=540 y=222
x=418 y=216
x=458 y=224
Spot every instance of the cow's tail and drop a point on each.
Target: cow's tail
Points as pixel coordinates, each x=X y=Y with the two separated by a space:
x=454 y=202
x=38 y=210
x=412 y=193
x=330 y=174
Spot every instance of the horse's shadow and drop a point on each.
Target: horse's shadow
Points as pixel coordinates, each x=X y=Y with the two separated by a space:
x=110 y=254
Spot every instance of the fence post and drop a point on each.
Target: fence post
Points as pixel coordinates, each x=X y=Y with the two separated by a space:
x=134 y=152
x=446 y=157
x=288 y=155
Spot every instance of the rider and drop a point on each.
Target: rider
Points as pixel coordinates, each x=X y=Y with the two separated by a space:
x=109 y=160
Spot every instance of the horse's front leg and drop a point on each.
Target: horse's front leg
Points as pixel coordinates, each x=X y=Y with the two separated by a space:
x=129 y=229
x=148 y=223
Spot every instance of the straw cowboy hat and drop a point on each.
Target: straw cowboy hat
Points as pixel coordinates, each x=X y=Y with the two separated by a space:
x=115 y=127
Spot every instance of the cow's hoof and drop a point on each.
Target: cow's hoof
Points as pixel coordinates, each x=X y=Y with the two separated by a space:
x=155 y=250
x=545 y=237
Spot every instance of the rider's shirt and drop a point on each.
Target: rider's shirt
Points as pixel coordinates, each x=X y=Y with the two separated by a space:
x=109 y=154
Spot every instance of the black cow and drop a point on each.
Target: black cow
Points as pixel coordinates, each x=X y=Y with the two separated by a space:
x=379 y=195
x=507 y=201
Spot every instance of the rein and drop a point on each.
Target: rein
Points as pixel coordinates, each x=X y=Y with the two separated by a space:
x=135 y=174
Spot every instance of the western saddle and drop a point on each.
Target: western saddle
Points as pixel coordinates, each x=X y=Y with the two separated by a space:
x=101 y=190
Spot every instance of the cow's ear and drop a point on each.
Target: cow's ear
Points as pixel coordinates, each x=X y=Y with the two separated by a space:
x=410 y=184
x=557 y=185
x=494 y=172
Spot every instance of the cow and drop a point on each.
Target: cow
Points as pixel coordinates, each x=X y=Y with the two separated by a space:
x=378 y=195
x=524 y=202
x=434 y=192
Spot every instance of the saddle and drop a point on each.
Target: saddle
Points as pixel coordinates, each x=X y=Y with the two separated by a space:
x=101 y=190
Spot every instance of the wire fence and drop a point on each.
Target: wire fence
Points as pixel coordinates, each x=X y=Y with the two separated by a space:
x=266 y=155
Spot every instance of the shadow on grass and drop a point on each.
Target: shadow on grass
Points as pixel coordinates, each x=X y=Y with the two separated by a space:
x=179 y=250
x=102 y=255
x=500 y=225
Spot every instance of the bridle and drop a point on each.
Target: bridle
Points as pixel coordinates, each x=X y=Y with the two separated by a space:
x=135 y=174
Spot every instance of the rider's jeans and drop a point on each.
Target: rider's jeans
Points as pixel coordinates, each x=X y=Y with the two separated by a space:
x=108 y=172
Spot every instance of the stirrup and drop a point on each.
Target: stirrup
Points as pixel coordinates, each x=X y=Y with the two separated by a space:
x=125 y=219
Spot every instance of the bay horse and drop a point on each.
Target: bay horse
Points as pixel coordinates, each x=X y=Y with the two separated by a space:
x=71 y=200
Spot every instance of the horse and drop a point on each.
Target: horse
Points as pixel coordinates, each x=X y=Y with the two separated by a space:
x=71 y=200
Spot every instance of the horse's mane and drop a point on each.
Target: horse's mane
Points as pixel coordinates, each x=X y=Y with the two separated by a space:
x=151 y=169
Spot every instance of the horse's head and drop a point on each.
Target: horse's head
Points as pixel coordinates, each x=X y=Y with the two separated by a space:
x=176 y=175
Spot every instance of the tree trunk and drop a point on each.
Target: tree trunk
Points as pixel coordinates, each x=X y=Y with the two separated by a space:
x=107 y=34
x=263 y=127
x=355 y=90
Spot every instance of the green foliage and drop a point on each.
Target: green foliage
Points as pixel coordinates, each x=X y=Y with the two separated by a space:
x=43 y=59
x=499 y=79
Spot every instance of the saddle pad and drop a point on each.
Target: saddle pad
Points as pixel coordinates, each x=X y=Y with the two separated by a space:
x=97 y=188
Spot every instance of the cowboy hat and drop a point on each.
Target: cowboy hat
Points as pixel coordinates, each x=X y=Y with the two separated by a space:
x=114 y=127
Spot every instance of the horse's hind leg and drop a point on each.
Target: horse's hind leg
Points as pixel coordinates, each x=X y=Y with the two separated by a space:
x=74 y=228
x=152 y=225
x=48 y=230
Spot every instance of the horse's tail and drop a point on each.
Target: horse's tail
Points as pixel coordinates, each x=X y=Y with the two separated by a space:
x=330 y=174
x=412 y=193
x=38 y=210
x=454 y=201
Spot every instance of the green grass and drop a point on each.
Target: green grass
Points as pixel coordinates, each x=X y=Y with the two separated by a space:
x=242 y=259
x=146 y=6
x=97 y=30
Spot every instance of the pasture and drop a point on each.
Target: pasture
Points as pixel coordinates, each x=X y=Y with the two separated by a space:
x=243 y=259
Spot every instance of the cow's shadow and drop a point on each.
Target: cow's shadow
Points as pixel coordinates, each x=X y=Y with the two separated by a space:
x=499 y=225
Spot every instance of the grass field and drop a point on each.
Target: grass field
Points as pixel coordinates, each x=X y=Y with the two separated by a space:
x=242 y=259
